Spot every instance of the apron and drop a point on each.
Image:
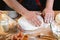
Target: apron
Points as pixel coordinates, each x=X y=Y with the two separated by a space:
x=31 y=5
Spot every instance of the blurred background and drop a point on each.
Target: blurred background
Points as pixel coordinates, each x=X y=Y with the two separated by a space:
x=3 y=6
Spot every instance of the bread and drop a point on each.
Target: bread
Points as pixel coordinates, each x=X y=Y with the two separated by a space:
x=57 y=25
x=57 y=18
x=20 y=36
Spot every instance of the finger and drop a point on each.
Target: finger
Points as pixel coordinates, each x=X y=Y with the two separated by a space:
x=38 y=21
x=45 y=19
x=19 y=27
x=48 y=17
x=51 y=18
x=43 y=14
x=34 y=22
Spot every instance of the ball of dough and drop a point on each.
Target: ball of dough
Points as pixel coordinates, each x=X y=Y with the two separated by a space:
x=57 y=18
x=26 y=25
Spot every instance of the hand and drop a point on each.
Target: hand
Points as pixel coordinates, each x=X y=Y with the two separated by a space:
x=31 y=16
x=48 y=15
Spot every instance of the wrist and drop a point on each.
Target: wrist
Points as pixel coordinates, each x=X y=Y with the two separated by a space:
x=25 y=13
x=48 y=8
x=49 y=4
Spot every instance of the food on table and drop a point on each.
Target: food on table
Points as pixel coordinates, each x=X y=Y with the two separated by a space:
x=20 y=36
x=2 y=23
x=8 y=36
x=6 y=23
x=25 y=37
x=56 y=26
x=2 y=31
x=57 y=18
x=56 y=29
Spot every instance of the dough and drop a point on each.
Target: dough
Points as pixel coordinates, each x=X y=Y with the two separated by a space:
x=56 y=28
x=57 y=18
x=26 y=25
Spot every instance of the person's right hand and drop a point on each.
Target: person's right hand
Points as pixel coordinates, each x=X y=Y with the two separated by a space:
x=32 y=17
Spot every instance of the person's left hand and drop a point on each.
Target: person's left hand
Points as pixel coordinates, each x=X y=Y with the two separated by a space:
x=48 y=15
